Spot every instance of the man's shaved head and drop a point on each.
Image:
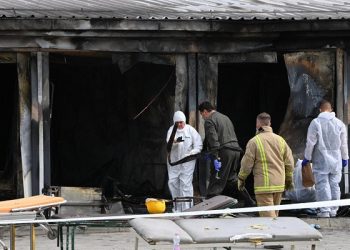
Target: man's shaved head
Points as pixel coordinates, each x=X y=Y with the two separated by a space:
x=325 y=106
x=263 y=119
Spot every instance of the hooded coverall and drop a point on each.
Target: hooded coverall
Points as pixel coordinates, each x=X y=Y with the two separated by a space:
x=326 y=146
x=270 y=159
x=181 y=175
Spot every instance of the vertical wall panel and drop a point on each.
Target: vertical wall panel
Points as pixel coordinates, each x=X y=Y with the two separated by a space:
x=192 y=90
x=25 y=120
x=181 y=83
x=34 y=123
x=340 y=84
x=44 y=119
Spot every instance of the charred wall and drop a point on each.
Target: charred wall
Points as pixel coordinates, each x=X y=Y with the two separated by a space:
x=103 y=130
x=312 y=78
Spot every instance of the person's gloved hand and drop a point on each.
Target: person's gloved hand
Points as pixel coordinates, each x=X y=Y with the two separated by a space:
x=289 y=184
x=217 y=165
x=304 y=162
x=240 y=184
x=179 y=139
x=344 y=163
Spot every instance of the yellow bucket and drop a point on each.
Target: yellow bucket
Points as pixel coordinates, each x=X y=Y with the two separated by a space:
x=155 y=206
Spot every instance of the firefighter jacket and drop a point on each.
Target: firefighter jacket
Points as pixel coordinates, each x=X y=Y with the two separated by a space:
x=270 y=159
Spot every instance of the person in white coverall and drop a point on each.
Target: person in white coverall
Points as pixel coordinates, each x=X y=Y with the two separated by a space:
x=187 y=142
x=327 y=147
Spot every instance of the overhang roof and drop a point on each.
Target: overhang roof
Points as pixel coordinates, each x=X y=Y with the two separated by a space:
x=177 y=9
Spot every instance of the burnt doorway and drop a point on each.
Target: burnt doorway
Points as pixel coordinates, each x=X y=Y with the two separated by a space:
x=247 y=89
x=8 y=131
x=105 y=130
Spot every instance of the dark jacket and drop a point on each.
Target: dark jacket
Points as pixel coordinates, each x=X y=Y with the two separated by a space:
x=219 y=132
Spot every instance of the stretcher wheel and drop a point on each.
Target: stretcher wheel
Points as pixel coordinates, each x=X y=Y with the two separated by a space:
x=52 y=234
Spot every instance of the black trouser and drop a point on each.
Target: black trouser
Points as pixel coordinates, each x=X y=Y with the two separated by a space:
x=228 y=172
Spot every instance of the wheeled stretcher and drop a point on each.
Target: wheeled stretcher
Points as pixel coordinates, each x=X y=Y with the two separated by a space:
x=28 y=209
x=254 y=232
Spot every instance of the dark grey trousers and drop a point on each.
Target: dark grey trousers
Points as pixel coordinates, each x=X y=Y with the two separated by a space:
x=228 y=172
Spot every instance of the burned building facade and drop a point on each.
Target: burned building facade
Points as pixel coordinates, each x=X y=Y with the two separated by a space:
x=88 y=101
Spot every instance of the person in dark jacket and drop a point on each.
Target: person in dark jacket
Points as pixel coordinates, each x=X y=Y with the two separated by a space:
x=221 y=141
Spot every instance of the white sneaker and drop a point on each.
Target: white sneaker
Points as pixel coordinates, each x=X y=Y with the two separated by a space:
x=323 y=215
x=333 y=213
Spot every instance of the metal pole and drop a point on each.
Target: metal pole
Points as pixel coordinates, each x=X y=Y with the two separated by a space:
x=32 y=237
x=13 y=237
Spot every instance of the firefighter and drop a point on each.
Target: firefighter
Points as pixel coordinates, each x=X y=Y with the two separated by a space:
x=270 y=159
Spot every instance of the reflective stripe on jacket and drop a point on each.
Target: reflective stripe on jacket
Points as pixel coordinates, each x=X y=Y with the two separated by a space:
x=271 y=160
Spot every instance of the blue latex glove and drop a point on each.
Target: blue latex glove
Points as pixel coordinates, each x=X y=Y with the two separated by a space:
x=305 y=161
x=217 y=165
x=344 y=163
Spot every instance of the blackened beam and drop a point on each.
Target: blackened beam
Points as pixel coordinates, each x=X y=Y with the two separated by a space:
x=8 y=58
x=130 y=45
x=245 y=26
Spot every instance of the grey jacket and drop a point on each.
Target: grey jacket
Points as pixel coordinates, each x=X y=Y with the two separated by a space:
x=220 y=132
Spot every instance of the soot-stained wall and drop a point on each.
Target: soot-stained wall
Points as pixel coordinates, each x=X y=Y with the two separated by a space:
x=96 y=138
x=311 y=79
x=144 y=168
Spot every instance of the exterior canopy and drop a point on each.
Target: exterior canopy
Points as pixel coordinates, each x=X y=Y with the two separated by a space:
x=177 y=9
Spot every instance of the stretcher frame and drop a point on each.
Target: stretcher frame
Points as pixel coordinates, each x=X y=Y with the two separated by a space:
x=27 y=211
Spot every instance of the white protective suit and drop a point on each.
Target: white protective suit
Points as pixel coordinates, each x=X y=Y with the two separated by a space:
x=326 y=146
x=180 y=176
